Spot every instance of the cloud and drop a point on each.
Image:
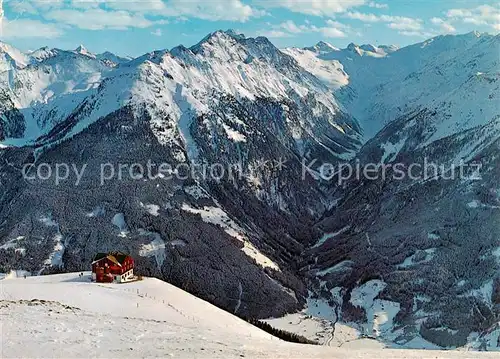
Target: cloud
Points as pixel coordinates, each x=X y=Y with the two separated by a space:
x=126 y=14
x=363 y=17
x=157 y=32
x=294 y=29
x=25 y=28
x=98 y=19
x=444 y=26
x=458 y=13
x=332 y=29
x=375 y=5
x=274 y=34
x=332 y=32
x=483 y=15
x=312 y=7
x=408 y=26
x=422 y=34
x=22 y=7
x=212 y=10
x=393 y=22
x=405 y=23
x=337 y=24
x=38 y=5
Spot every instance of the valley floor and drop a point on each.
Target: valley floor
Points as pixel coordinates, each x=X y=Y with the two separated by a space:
x=65 y=316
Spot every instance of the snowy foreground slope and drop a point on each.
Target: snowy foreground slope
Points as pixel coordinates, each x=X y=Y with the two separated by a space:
x=65 y=316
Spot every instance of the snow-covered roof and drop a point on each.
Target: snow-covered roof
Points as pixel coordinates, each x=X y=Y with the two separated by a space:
x=115 y=257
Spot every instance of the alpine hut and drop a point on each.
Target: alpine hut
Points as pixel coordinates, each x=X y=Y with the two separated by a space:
x=112 y=267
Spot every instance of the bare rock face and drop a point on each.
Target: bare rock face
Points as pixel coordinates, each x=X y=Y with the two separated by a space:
x=11 y=120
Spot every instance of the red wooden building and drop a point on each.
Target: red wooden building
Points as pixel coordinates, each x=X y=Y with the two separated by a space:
x=113 y=267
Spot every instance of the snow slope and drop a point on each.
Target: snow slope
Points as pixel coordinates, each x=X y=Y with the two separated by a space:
x=11 y=58
x=454 y=76
x=68 y=316
x=326 y=61
x=330 y=72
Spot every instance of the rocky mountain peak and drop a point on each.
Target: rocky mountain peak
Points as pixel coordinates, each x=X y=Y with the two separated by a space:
x=235 y=34
x=3 y=46
x=110 y=57
x=11 y=57
x=368 y=47
x=389 y=48
x=219 y=38
x=83 y=51
x=352 y=47
x=322 y=47
x=43 y=53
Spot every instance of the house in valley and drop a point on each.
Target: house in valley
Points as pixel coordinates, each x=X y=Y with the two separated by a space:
x=112 y=267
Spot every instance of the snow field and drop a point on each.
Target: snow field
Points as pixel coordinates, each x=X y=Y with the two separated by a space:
x=64 y=316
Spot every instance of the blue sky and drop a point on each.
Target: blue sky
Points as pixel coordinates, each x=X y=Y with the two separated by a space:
x=135 y=27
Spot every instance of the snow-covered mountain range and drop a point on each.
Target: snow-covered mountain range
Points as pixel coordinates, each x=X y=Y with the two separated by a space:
x=443 y=74
x=60 y=316
x=389 y=257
